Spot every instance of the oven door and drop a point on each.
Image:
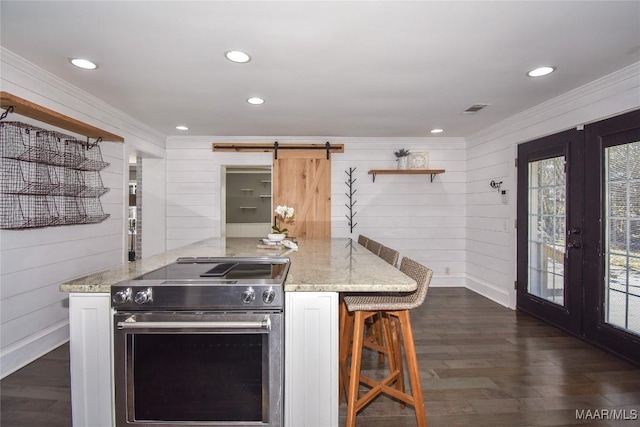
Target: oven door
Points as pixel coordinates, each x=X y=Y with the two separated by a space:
x=198 y=369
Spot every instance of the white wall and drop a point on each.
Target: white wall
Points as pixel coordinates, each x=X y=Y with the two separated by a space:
x=194 y=191
x=422 y=220
x=33 y=262
x=490 y=244
x=153 y=224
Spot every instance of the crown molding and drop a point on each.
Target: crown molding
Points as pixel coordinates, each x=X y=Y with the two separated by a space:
x=572 y=100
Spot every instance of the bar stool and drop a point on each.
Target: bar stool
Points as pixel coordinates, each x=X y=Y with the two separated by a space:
x=394 y=308
x=374 y=246
x=389 y=255
x=383 y=347
x=373 y=340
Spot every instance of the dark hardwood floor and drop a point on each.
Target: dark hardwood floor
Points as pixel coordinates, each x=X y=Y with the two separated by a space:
x=38 y=395
x=485 y=365
x=481 y=365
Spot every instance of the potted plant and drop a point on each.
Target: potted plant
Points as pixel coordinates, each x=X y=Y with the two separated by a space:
x=402 y=157
x=283 y=214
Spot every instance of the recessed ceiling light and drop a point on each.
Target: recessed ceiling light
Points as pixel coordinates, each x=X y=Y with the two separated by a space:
x=181 y=127
x=437 y=130
x=255 y=101
x=237 y=56
x=541 y=71
x=83 y=63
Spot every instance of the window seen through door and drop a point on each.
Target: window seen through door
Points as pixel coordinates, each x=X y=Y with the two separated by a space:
x=622 y=240
x=547 y=218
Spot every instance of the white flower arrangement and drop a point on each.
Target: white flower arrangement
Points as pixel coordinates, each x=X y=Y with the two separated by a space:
x=284 y=213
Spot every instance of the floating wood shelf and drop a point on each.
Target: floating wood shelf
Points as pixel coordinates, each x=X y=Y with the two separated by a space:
x=432 y=172
x=45 y=115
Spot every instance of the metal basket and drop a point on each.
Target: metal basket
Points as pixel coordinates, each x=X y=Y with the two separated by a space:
x=26 y=211
x=25 y=178
x=22 y=142
x=48 y=178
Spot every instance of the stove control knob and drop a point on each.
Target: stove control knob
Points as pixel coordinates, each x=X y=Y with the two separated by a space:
x=269 y=295
x=143 y=297
x=121 y=297
x=248 y=295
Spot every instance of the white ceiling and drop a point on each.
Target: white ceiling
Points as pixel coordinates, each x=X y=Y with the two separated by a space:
x=353 y=69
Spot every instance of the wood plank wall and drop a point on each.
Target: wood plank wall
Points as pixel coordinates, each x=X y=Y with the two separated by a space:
x=35 y=261
x=423 y=220
x=491 y=253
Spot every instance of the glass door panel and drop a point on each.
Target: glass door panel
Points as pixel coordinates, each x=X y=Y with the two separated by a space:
x=547 y=225
x=549 y=229
x=622 y=237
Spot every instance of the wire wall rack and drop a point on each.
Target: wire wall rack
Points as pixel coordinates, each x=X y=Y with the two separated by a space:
x=48 y=178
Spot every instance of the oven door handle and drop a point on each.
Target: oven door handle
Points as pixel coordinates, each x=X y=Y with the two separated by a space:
x=263 y=324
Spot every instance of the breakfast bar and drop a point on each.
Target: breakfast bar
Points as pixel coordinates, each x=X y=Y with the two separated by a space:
x=320 y=270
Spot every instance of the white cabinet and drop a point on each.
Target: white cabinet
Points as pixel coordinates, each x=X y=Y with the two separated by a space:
x=90 y=355
x=311 y=359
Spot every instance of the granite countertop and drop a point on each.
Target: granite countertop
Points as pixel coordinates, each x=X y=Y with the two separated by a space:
x=319 y=265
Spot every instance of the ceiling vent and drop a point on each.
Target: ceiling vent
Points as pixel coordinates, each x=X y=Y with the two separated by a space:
x=475 y=108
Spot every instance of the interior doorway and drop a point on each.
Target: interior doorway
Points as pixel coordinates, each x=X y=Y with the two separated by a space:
x=248 y=204
x=134 y=209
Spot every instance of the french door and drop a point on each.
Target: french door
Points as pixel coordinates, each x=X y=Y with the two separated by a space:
x=579 y=232
x=550 y=224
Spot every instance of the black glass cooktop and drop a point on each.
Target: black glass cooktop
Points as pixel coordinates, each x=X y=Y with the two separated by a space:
x=195 y=268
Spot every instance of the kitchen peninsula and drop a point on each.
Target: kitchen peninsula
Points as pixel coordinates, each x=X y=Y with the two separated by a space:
x=320 y=270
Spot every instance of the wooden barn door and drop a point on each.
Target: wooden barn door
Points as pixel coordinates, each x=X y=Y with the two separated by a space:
x=302 y=180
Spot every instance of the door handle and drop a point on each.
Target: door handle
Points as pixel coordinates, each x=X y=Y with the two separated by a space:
x=574 y=238
x=264 y=324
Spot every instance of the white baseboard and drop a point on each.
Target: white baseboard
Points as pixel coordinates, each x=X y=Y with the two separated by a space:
x=488 y=290
x=31 y=348
x=448 y=281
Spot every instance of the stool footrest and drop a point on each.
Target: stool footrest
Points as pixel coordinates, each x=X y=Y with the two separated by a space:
x=377 y=387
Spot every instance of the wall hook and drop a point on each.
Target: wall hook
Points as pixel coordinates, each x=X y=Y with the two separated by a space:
x=91 y=145
x=6 y=113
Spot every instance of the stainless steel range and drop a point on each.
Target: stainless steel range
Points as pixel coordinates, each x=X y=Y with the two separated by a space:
x=200 y=343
